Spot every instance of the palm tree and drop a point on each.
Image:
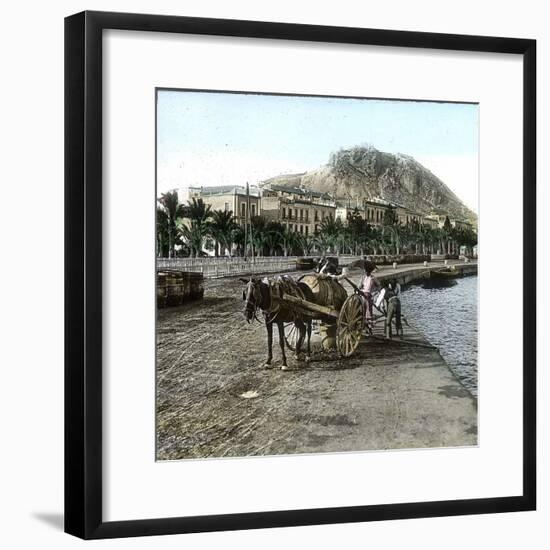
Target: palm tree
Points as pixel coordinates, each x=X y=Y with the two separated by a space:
x=412 y=235
x=391 y=238
x=321 y=241
x=407 y=236
x=465 y=237
x=259 y=230
x=288 y=241
x=238 y=237
x=426 y=238
x=375 y=240
x=305 y=243
x=447 y=231
x=195 y=233
x=173 y=212
x=357 y=229
x=162 y=233
x=222 y=227
x=198 y=211
x=386 y=240
x=194 y=236
x=332 y=230
x=442 y=241
x=391 y=228
x=273 y=241
x=274 y=233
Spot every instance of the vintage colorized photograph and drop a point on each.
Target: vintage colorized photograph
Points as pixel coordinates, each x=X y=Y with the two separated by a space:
x=316 y=274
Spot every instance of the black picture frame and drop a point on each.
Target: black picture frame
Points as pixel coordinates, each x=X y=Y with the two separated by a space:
x=83 y=273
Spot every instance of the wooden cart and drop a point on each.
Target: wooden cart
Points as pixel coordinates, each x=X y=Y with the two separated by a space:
x=350 y=321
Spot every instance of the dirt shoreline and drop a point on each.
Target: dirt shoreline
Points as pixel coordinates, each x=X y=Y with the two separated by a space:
x=386 y=396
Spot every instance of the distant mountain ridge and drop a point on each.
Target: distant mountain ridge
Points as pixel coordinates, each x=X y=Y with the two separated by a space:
x=365 y=172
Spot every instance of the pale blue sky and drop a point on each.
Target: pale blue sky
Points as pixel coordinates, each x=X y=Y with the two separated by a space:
x=220 y=138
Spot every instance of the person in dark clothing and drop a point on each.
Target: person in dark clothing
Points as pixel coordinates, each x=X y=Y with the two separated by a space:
x=393 y=307
x=327 y=266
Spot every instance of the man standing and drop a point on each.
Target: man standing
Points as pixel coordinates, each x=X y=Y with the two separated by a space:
x=391 y=295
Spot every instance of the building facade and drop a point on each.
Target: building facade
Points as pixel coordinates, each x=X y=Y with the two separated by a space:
x=374 y=211
x=299 y=210
x=406 y=215
x=461 y=224
x=371 y=210
x=302 y=210
x=430 y=222
x=230 y=198
x=438 y=219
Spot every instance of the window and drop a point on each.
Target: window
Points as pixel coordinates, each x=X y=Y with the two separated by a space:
x=302 y=229
x=243 y=209
x=290 y=213
x=252 y=209
x=307 y=228
x=284 y=213
x=226 y=206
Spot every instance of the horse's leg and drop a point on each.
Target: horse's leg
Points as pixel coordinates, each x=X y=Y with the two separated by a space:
x=269 y=328
x=281 y=328
x=308 y=356
x=302 y=334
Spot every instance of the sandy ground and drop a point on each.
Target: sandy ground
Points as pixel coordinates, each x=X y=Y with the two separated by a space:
x=387 y=395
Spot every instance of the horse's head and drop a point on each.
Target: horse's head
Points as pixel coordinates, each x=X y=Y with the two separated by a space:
x=252 y=297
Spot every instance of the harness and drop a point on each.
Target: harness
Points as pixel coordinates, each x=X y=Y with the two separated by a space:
x=271 y=297
x=264 y=295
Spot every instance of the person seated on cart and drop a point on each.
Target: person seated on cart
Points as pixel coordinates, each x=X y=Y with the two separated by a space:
x=369 y=284
x=392 y=290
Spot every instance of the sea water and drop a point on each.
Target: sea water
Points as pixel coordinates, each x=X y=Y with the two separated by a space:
x=447 y=316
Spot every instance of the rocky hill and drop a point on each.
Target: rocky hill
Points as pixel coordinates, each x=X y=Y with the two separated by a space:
x=365 y=172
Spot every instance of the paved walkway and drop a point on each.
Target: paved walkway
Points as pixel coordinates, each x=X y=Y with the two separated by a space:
x=214 y=399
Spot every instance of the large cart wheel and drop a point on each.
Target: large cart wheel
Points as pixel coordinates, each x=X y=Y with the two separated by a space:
x=291 y=336
x=350 y=325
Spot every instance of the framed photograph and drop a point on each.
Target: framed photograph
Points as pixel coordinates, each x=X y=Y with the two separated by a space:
x=300 y=275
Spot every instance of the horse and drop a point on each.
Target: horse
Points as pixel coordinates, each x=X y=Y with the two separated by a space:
x=263 y=296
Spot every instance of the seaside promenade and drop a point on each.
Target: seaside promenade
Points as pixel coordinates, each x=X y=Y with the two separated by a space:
x=215 y=400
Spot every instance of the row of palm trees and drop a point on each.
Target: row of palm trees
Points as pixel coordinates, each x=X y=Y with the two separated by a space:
x=186 y=230
x=358 y=237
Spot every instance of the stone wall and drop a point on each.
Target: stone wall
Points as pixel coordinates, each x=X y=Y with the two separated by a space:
x=175 y=288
